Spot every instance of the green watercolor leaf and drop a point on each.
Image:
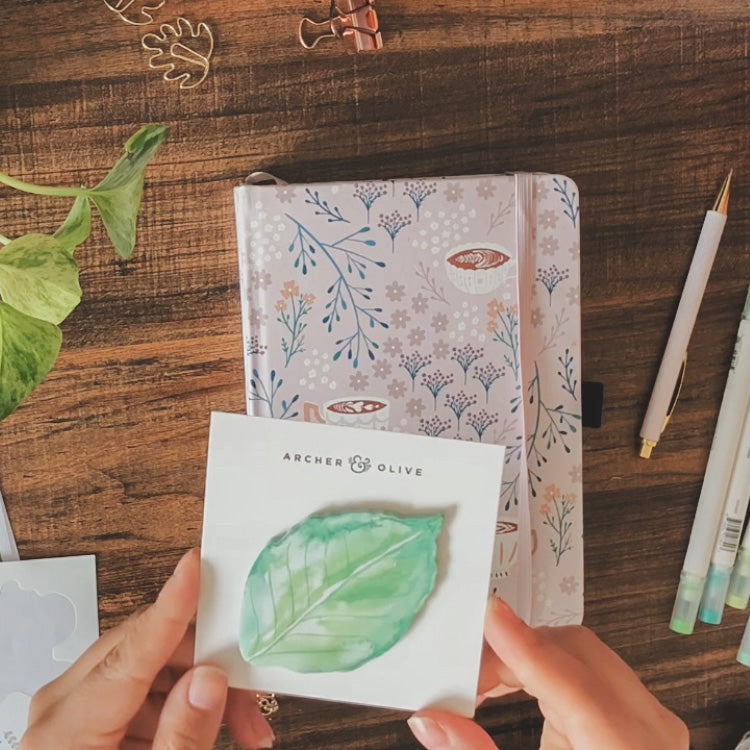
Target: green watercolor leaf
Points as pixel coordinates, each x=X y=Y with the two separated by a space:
x=39 y=277
x=76 y=228
x=28 y=350
x=338 y=590
x=118 y=195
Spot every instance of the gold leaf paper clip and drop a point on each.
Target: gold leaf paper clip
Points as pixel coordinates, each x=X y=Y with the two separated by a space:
x=181 y=51
x=120 y=7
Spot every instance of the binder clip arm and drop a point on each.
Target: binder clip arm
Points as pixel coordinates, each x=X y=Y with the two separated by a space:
x=354 y=21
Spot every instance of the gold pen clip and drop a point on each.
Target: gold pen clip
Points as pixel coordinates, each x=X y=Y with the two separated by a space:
x=676 y=394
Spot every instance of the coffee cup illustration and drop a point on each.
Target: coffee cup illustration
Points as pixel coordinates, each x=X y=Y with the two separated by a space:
x=371 y=412
x=506 y=547
x=478 y=269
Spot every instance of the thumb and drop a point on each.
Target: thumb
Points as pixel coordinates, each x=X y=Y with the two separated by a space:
x=440 y=730
x=192 y=713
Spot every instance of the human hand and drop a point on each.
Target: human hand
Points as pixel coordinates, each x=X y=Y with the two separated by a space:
x=137 y=688
x=590 y=698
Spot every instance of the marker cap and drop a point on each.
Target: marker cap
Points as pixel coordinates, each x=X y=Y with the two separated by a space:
x=687 y=602
x=739 y=585
x=714 y=595
x=743 y=655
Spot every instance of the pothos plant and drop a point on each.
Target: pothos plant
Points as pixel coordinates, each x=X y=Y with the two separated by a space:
x=38 y=273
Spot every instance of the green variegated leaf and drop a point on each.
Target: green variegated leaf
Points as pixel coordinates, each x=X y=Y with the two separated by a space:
x=77 y=226
x=39 y=278
x=28 y=349
x=339 y=590
x=118 y=195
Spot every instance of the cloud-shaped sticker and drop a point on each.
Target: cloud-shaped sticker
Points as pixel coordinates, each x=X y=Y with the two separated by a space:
x=31 y=625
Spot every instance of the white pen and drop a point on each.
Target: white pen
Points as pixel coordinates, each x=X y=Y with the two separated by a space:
x=8 y=549
x=672 y=361
x=729 y=425
x=730 y=529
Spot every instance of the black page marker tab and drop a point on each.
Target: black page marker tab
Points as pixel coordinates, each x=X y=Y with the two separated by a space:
x=592 y=398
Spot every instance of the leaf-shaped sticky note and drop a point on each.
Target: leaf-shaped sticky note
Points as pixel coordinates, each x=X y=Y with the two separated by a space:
x=118 y=195
x=28 y=349
x=182 y=52
x=338 y=590
x=39 y=277
x=76 y=228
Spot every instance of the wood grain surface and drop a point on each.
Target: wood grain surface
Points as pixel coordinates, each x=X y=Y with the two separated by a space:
x=645 y=104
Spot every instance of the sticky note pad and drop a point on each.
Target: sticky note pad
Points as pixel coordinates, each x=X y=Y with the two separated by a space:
x=347 y=564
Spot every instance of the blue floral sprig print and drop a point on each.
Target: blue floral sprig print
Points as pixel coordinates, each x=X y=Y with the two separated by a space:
x=555 y=509
x=393 y=223
x=480 y=421
x=568 y=198
x=346 y=299
x=323 y=208
x=458 y=403
x=567 y=374
x=434 y=382
x=292 y=306
x=503 y=325
x=487 y=374
x=368 y=193
x=413 y=363
x=419 y=191
x=267 y=394
x=550 y=277
x=434 y=426
x=551 y=426
x=466 y=356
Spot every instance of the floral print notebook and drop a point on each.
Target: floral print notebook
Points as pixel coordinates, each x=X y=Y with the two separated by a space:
x=447 y=307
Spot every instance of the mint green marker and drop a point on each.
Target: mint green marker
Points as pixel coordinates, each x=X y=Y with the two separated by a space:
x=725 y=547
x=739 y=584
x=743 y=655
x=711 y=503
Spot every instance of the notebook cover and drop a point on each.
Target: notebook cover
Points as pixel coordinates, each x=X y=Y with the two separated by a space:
x=406 y=305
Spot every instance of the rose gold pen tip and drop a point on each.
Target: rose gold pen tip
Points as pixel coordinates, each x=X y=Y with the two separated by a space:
x=722 y=199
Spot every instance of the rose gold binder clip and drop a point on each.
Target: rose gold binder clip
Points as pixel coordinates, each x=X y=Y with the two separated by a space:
x=354 y=21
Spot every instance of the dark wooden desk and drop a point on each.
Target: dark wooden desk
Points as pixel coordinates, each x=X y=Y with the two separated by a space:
x=645 y=104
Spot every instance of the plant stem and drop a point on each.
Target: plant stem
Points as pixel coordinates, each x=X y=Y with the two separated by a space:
x=28 y=187
x=4 y=240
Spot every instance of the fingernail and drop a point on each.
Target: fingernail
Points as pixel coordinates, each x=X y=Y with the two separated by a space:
x=184 y=560
x=429 y=733
x=262 y=730
x=208 y=688
x=500 y=608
